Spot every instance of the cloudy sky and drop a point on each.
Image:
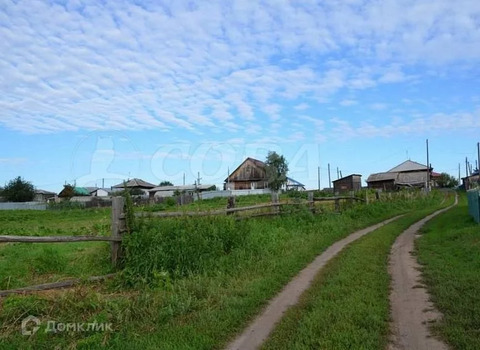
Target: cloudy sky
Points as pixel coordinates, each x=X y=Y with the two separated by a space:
x=93 y=90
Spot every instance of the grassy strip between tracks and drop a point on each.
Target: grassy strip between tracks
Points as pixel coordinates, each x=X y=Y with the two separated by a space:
x=347 y=306
x=449 y=251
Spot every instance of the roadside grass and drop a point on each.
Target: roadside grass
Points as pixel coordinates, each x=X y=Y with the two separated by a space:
x=347 y=306
x=449 y=250
x=178 y=293
x=24 y=264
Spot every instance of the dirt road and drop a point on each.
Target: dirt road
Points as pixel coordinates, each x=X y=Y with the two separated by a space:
x=412 y=310
x=258 y=331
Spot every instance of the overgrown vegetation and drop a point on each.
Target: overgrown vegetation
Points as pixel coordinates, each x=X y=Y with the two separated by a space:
x=449 y=251
x=191 y=283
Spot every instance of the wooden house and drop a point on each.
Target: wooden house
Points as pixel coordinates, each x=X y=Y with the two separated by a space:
x=249 y=175
x=408 y=174
x=135 y=184
x=348 y=183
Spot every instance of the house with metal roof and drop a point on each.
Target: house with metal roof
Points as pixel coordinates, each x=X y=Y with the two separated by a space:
x=135 y=184
x=405 y=175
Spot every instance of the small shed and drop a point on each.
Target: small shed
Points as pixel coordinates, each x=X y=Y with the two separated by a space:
x=348 y=183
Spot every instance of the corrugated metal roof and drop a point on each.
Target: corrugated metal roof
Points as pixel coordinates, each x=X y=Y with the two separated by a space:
x=81 y=191
x=408 y=165
x=135 y=183
x=382 y=177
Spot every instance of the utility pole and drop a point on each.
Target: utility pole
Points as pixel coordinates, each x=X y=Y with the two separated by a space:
x=319 y=178
x=198 y=181
x=459 y=176
x=338 y=173
x=478 y=156
x=466 y=166
x=428 y=169
x=329 y=178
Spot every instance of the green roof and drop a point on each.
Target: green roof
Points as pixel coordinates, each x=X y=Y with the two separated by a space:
x=81 y=191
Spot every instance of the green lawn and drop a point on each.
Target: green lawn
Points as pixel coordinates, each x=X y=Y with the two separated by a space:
x=194 y=286
x=449 y=249
x=24 y=264
x=347 y=306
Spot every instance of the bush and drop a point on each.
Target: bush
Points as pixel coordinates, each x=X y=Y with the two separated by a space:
x=179 y=247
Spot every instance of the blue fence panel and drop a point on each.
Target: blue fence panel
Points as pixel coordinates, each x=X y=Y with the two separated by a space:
x=474 y=204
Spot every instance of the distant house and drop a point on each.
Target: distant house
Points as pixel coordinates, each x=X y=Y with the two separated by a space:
x=405 y=175
x=135 y=184
x=294 y=185
x=169 y=191
x=101 y=192
x=44 y=196
x=471 y=181
x=251 y=175
x=348 y=183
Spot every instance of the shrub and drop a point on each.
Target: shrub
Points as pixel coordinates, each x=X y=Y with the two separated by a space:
x=179 y=247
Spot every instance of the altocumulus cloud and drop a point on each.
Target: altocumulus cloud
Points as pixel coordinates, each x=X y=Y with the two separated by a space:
x=115 y=65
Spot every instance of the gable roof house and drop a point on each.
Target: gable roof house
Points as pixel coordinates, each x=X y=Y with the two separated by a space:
x=405 y=175
x=135 y=184
x=251 y=175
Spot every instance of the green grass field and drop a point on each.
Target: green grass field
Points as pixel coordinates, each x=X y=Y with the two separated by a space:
x=24 y=264
x=190 y=284
x=449 y=250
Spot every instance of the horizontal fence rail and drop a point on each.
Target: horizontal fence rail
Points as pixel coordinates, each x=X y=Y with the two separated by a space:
x=54 y=285
x=56 y=239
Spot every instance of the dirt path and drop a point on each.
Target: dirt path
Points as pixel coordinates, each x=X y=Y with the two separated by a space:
x=258 y=331
x=410 y=303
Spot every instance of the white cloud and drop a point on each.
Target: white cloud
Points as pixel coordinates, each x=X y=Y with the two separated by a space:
x=189 y=65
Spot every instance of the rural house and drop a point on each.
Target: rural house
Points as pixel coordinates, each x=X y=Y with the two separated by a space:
x=251 y=175
x=471 y=181
x=348 y=183
x=405 y=175
x=44 y=196
x=135 y=184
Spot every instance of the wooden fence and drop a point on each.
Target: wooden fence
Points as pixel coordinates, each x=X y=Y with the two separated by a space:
x=118 y=228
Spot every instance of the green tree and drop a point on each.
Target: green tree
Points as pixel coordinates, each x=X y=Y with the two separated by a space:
x=447 y=181
x=165 y=183
x=276 y=168
x=18 y=190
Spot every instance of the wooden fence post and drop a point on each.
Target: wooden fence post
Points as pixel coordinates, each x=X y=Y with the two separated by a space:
x=231 y=204
x=118 y=227
x=311 y=203
x=276 y=208
x=337 y=205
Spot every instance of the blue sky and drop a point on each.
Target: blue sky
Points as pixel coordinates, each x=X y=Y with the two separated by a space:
x=94 y=90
